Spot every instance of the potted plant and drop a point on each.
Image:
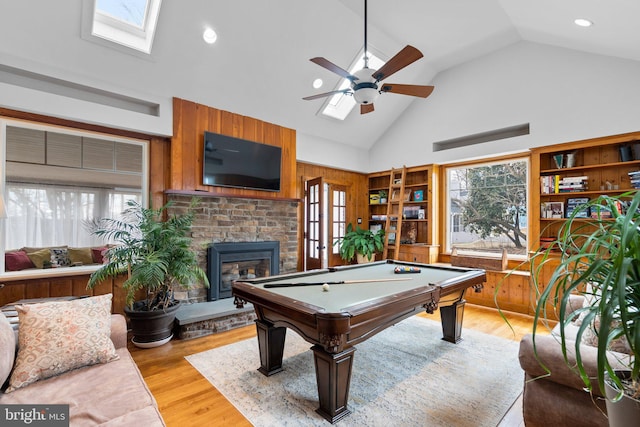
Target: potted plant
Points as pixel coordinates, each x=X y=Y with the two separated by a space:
x=383 y=196
x=600 y=259
x=155 y=254
x=360 y=243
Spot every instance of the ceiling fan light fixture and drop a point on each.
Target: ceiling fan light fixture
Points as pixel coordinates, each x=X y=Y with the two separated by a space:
x=317 y=83
x=366 y=95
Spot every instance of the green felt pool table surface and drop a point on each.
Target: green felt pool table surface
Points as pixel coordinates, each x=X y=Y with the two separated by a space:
x=341 y=297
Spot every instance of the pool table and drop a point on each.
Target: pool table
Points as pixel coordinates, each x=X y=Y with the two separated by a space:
x=361 y=301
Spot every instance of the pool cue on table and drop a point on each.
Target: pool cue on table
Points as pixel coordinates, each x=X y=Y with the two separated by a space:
x=341 y=282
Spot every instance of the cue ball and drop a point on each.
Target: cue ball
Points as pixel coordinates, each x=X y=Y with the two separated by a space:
x=325 y=288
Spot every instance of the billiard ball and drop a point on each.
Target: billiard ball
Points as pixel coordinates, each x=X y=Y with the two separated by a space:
x=325 y=287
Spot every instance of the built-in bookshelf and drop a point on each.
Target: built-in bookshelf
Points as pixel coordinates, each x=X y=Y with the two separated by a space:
x=571 y=174
x=418 y=212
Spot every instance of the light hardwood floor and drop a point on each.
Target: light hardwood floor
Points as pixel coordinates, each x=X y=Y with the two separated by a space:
x=186 y=398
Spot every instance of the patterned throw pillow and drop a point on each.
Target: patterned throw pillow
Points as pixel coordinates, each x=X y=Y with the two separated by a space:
x=7 y=348
x=60 y=257
x=590 y=338
x=56 y=337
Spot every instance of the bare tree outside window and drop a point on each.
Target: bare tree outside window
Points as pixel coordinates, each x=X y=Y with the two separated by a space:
x=487 y=208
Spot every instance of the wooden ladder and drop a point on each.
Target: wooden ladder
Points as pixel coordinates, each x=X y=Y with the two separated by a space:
x=395 y=201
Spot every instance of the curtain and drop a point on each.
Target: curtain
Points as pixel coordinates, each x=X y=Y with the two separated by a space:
x=40 y=215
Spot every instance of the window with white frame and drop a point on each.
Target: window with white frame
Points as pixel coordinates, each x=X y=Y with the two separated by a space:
x=56 y=181
x=486 y=207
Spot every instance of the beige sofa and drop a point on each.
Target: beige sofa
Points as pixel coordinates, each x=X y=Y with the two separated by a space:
x=106 y=394
x=560 y=399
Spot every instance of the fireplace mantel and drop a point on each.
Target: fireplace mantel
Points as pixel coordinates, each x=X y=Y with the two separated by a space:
x=229 y=193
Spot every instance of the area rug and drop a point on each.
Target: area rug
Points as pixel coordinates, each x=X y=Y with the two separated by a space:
x=404 y=376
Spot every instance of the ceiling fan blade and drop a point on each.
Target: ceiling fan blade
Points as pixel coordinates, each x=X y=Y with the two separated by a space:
x=325 y=63
x=403 y=58
x=324 y=95
x=412 y=90
x=366 y=108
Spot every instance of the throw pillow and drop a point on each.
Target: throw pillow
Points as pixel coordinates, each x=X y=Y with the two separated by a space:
x=40 y=258
x=60 y=257
x=29 y=249
x=590 y=338
x=58 y=336
x=81 y=255
x=17 y=260
x=99 y=255
x=7 y=348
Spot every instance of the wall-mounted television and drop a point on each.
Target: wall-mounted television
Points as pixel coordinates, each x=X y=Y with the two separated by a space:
x=238 y=163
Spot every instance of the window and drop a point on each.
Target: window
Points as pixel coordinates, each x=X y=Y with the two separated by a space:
x=45 y=215
x=487 y=207
x=338 y=216
x=56 y=181
x=340 y=105
x=128 y=23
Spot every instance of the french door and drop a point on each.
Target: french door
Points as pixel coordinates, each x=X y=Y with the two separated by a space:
x=325 y=213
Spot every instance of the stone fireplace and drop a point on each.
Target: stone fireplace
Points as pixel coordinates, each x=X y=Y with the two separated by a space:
x=230 y=261
x=222 y=222
x=233 y=220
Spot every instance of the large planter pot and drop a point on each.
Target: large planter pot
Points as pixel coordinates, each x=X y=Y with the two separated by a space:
x=626 y=411
x=364 y=260
x=151 y=328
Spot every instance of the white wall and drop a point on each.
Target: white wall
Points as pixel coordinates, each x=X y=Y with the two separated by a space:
x=565 y=96
x=325 y=152
x=18 y=95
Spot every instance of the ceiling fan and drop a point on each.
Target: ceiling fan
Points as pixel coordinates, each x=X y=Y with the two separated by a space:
x=366 y=83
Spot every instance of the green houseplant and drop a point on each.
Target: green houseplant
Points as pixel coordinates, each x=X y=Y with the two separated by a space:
x=599 y=257
x=383 y=196
x=156 y=256
x=361 y=242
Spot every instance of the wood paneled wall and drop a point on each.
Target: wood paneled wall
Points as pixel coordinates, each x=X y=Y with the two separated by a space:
x=60 y=286
x=357 y=194
x=191 y=120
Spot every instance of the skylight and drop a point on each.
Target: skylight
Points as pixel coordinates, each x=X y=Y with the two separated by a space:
x=340 y=105
x=130 y=23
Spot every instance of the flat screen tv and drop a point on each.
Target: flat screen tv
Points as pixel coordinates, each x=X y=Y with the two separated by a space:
x=238 y=163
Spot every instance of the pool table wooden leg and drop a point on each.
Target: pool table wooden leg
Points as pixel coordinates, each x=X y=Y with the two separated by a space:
x=333 y=374
x=271 y=346
x=451 y=318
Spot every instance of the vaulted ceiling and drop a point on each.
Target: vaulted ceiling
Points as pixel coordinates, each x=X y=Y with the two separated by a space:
x=260 y=65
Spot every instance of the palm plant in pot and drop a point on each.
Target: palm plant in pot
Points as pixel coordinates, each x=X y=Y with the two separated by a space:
x=600 y=259
x=155 y=255
x=360 y=243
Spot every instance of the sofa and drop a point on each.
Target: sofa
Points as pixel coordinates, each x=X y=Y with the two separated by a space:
x=108 y=390
x=560 y=398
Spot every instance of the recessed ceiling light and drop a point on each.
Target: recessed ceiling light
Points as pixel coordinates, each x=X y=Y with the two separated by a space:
x=581 y=22
x=209 y=36
x=317 y=83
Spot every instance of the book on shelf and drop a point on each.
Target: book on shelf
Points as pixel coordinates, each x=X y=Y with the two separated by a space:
x=577 y=205
x=634 y=179
x=554 y=184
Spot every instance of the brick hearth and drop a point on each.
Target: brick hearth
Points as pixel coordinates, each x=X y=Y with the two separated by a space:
x=206 y=318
